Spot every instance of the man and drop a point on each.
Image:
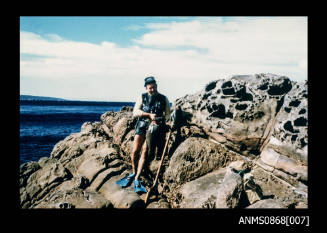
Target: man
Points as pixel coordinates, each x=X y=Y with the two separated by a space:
x=152 y=110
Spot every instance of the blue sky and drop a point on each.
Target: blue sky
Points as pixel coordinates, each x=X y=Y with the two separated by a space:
x=107 y=58
x=95 y=29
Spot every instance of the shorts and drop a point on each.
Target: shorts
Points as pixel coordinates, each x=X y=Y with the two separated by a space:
x=141 y=127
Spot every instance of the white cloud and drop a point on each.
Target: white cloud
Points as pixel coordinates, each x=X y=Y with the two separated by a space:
x=184 y=56
x=53 y=37
x=303 y=64
x=246 y=39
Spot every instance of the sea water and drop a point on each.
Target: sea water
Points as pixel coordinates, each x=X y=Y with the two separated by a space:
x=45 y=123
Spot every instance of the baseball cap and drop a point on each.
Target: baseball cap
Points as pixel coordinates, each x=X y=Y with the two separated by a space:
x=149 y=80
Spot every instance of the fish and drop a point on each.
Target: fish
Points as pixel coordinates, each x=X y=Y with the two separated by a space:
x=150 y=139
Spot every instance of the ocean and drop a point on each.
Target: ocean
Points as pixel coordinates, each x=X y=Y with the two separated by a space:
x=45 y=123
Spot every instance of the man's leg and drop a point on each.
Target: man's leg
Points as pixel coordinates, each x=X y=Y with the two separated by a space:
x=141 y=161
x=138 y=142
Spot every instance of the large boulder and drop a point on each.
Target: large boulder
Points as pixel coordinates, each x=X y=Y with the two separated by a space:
x=194 y=158
x=201 y=192
x=240 y=108
x=249 y=110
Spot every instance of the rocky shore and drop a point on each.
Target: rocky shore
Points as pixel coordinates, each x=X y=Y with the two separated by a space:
x=242 y=143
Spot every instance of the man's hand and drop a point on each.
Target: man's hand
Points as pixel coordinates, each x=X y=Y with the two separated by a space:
x=152 y=116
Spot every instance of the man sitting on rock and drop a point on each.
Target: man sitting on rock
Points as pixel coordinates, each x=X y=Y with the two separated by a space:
x=152 y=110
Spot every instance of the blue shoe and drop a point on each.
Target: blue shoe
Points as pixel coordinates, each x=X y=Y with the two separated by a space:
x=139 y=188
x=126 y=181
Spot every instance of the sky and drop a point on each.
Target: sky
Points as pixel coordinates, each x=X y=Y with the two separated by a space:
x=107 y=58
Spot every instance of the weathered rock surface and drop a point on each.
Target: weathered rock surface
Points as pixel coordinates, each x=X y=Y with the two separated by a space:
x=121 y=198
x=242 y=143
x=196 y=157
x=267 y=204
x=202 y=192
x=229 y=192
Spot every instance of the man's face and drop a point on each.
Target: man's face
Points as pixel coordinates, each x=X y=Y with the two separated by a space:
x=151 y=88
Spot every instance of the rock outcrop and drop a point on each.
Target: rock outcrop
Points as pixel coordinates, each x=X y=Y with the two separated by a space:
x=242 y=143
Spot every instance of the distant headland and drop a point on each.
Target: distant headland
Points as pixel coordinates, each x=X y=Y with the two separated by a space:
x=33 y=97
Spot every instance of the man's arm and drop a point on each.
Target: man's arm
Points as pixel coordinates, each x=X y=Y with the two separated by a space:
x=137 y=111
